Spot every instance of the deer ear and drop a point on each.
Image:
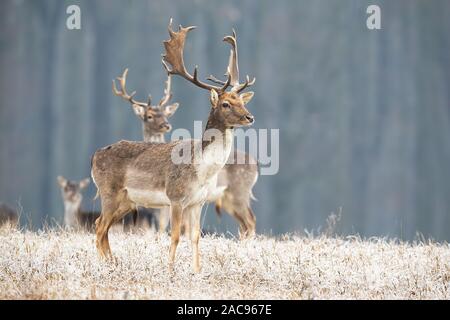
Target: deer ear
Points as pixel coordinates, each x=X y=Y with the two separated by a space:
x=170 y=110
x=214 y=98
x=139 y=110
x=247 y=96
x=61 y=181
x=84 y=183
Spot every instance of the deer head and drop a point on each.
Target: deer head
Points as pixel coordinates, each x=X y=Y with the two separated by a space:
x=72 y=198
x=154 y=117
x=227 y=107
x=71 y=190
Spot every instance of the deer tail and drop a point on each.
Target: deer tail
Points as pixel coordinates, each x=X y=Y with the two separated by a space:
x=92 y=176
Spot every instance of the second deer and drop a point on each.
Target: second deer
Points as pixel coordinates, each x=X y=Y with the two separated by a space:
x=155 y=123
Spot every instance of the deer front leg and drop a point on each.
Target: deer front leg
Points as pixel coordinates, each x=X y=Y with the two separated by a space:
x=176 y=217
x=194 y=215
x=186 y=223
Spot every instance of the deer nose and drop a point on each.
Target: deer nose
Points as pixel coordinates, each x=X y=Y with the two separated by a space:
x=250 y=118
x=166 y=126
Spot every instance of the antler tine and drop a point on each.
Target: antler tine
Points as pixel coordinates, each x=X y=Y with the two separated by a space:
x=123 y=91
x=149 y=100
x=247 y=84
x=233 y=68
x=233 y=65
x=167 y=92
x=215 y=80
x=173 y=56
x=227 y=83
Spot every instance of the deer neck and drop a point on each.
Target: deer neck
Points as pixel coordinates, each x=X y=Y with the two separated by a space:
x=217 y=149
x=71 y=212
x=150 y=135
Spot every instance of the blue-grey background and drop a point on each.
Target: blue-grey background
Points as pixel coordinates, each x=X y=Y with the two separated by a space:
x=363 y=115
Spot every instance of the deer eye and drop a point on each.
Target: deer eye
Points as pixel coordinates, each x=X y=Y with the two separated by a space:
x=149 y=117
x=225 y=104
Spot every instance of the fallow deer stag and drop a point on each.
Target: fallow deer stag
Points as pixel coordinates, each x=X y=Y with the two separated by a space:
x=154 y=117
x=130 y=174
x=235 y=180
x=155 y=124
x=241 y=170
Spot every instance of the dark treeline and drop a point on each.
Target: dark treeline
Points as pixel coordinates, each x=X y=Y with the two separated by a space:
x=363 y=115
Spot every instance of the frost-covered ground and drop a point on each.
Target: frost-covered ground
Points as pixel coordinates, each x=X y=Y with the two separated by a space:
x=65 y=265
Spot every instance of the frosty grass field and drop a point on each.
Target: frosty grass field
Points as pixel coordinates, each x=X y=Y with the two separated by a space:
x=64 y=265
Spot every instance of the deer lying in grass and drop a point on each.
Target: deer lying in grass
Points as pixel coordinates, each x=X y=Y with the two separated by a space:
x=8 y=216
x=235 y=180
x=130 y=174
x=155 y=123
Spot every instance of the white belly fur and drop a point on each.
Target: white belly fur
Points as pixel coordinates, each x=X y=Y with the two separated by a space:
x=147 y=198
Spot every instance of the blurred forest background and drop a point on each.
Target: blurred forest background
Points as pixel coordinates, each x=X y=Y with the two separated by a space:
x=363 y=115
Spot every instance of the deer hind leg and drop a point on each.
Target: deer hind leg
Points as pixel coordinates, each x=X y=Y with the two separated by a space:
x=250 y=221
x=102 y=225
x=176 y=217
x=245 y=218
x=112 y=212
x=247 y=222
x=242 y=224
x=238 y=206
x=235 y=209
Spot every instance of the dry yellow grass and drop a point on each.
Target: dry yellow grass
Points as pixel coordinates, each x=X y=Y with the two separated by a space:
x=65 y=265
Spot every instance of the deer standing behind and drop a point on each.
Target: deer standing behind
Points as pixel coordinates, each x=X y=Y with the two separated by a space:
x=8 y=215
x=240 y=173
x=235 y=180
x=130 y=174
x=155 y=123
x=74 y=216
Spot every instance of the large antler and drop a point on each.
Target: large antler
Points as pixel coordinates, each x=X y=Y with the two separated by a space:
x=233 y=67
x=123 y=91
x=174 y=57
